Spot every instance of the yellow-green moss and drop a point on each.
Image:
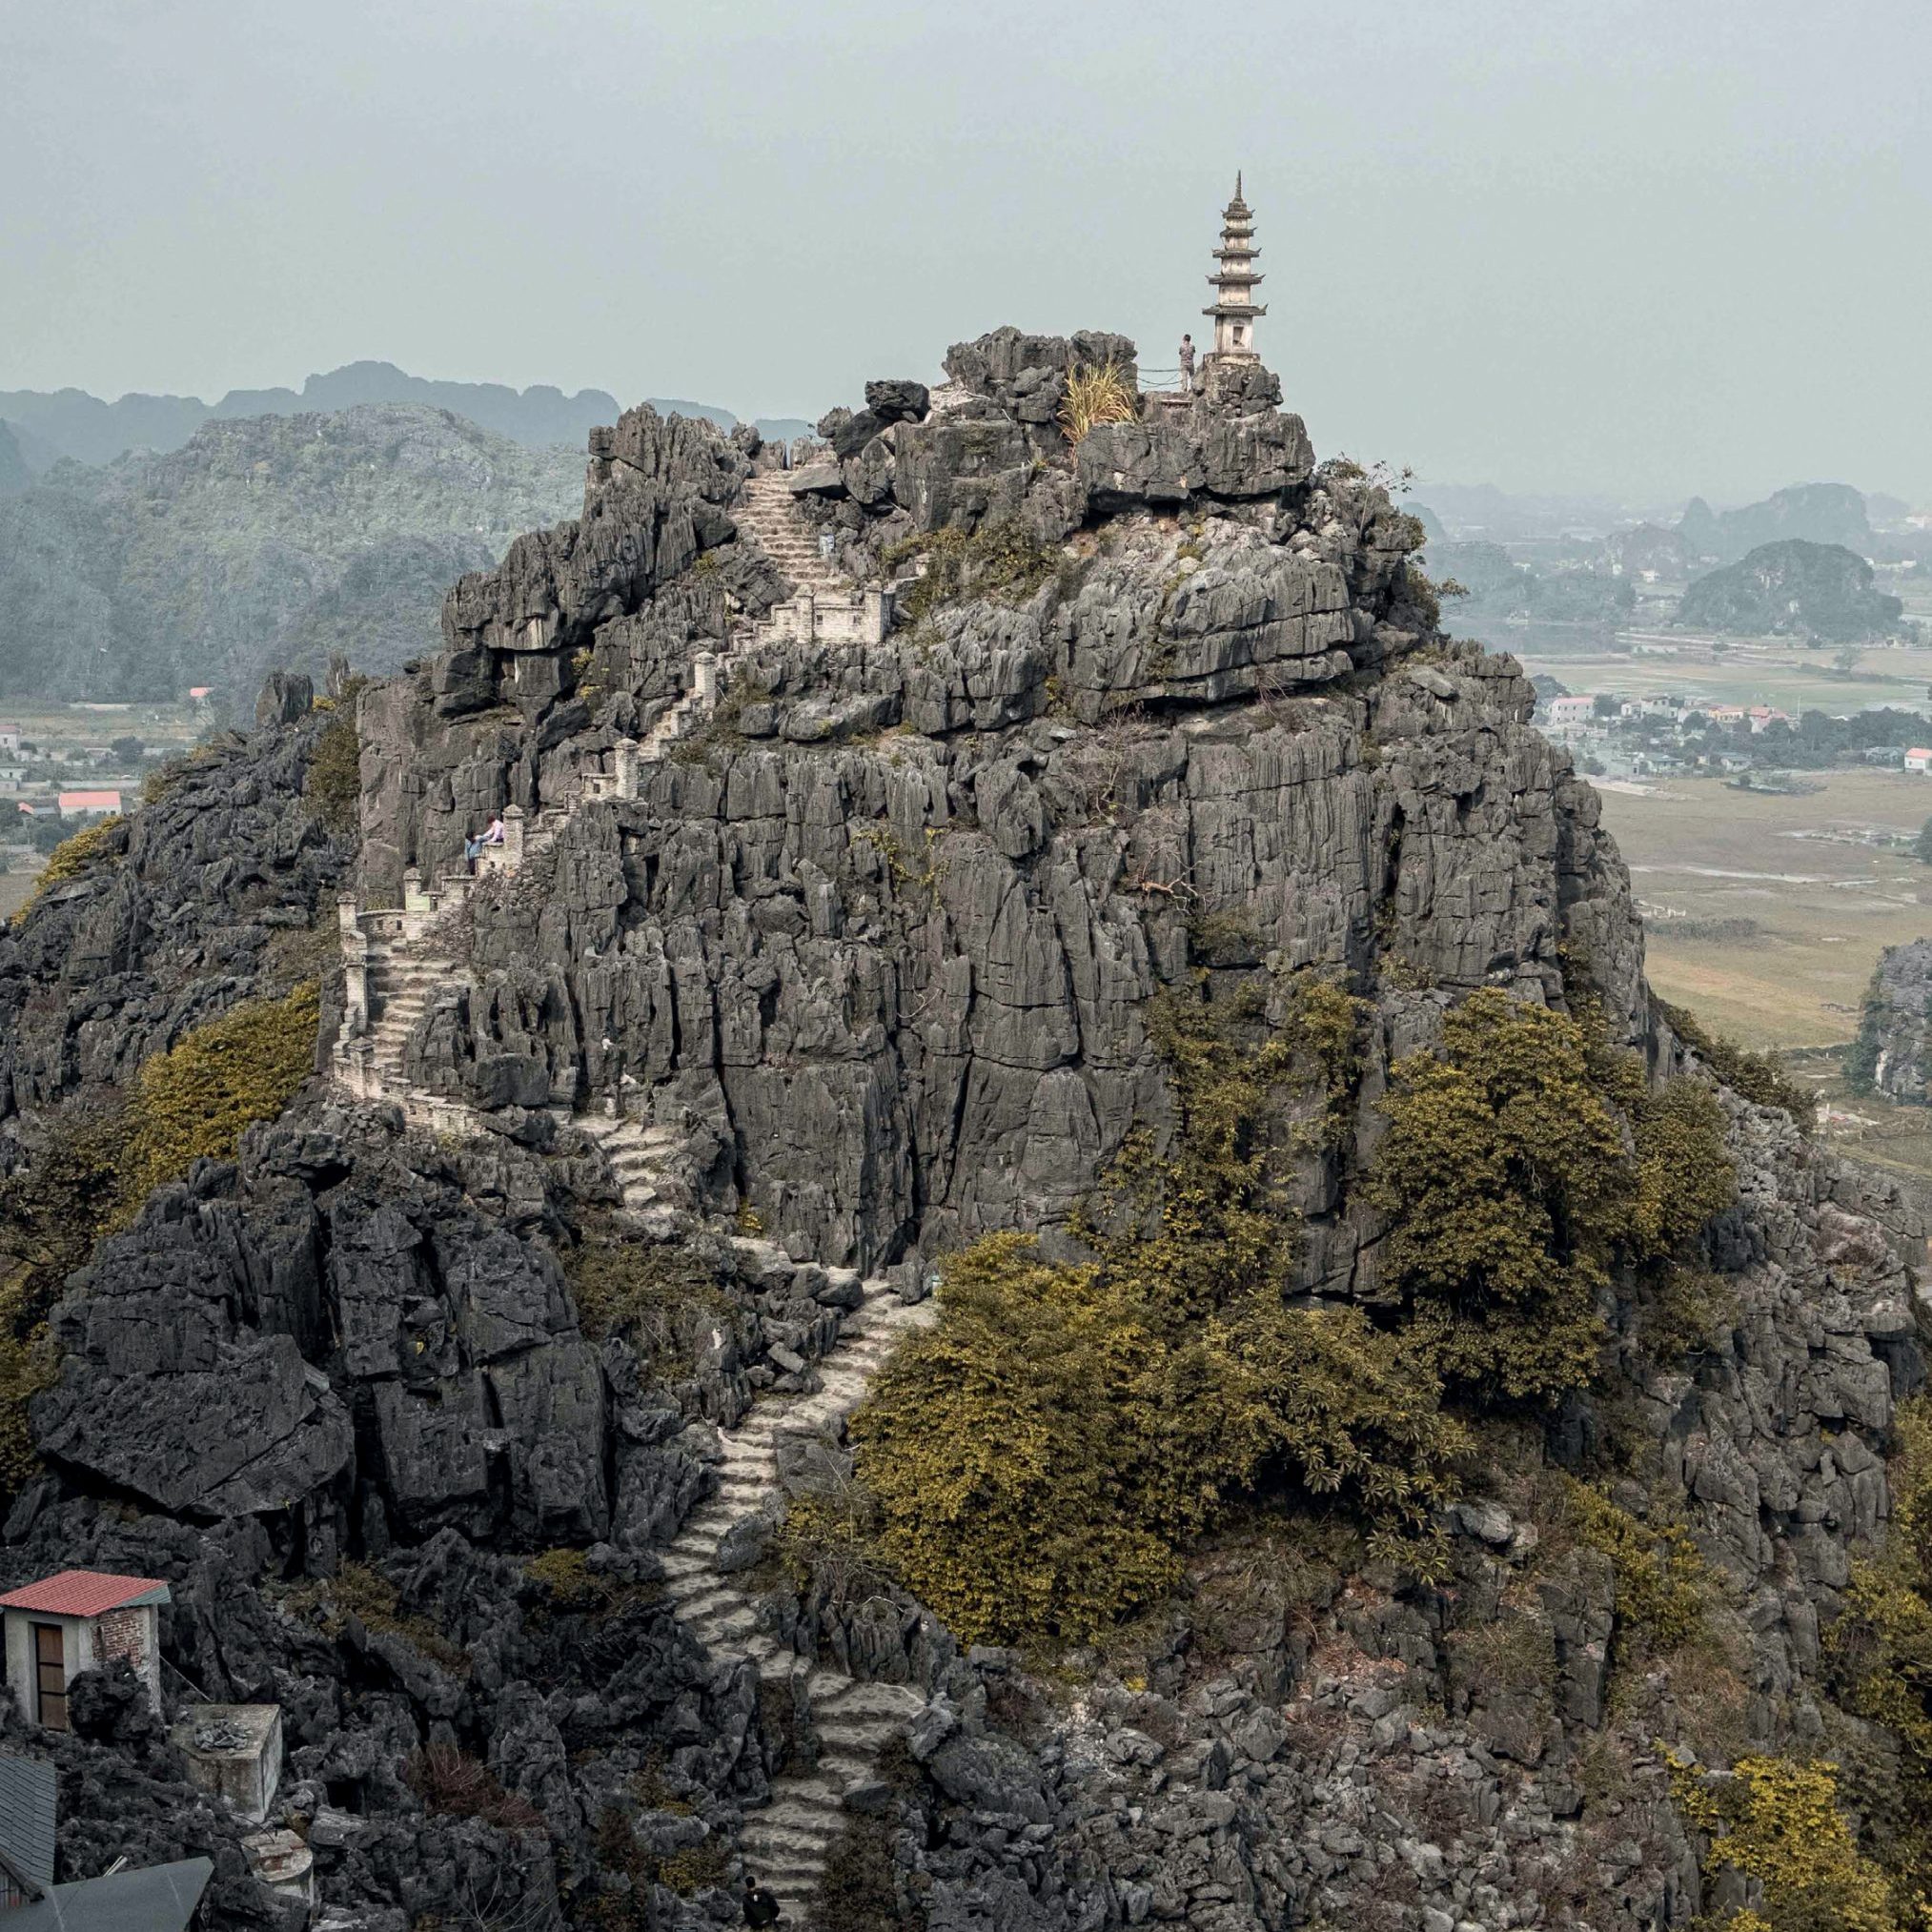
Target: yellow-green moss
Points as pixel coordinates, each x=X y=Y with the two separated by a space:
x=334 y=785
x=357 y=1591
x=1517 y=1166
x=1778 y=1821
x=193 y=1102
x=1757 y=1077
x=660 y=1297
x=1042 y=1457
x=1660 y=1576
x=97 y=844
x=998 y=562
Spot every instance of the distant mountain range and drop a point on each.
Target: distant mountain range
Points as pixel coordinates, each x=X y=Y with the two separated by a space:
x=69 y=422
x=265 y=541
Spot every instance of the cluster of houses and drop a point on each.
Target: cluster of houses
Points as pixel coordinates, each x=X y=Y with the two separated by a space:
x=77 y=1620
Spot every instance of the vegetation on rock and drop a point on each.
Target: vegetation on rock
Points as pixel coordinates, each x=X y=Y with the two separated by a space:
x=1757 y=1077
x=93 y=845
x=997 y=562
x=1042 y=1457
x=1778 y=1821
x=193 y=1102
x=1519 y=1167
x=1095 y=395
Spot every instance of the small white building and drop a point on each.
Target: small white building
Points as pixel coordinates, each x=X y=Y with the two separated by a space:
x=1919 y=758
x=77 y=1620
x=10 y=739
x=1573 y=710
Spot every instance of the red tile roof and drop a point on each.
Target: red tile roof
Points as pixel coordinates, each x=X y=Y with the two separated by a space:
x=85 y=1592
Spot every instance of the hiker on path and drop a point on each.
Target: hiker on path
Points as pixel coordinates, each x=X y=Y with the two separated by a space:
x=761 y=1906
x=1187 y=362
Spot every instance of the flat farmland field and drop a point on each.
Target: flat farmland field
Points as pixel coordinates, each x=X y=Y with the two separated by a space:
x=1773 y=674
x=1765 y=915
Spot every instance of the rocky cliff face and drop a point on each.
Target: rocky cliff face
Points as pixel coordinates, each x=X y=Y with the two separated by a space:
x=1895 y=1030
x=868 y=946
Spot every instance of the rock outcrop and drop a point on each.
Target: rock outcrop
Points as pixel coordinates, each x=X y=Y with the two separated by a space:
x=1893 y=1053
x=819 y=955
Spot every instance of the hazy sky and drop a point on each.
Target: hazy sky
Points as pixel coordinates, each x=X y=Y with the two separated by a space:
x=1648 y=245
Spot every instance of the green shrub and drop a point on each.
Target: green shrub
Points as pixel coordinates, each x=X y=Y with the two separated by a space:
x=1043 y=1455
x=1660 y=1577
x=1757 y=1077
x=573 y=1587
x=829 y=1541
x=359 y=1590
x=193 y=1102
x=999 y=561
x=660 y=1297
x=1778 y=1821
x=333 y=785
x=98 y=845
x=1516 y=1167
x=1881 y=1648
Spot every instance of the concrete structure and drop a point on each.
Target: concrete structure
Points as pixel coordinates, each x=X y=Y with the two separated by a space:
x=10 y=739
x=234 y=1751
x=1919 y=758
x=77 y=1620
x=1573 y=710
x=1234 y=308
x=283 y=1864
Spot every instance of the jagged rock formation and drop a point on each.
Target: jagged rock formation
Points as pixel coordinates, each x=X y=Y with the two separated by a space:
x=1817 y=513
x=264 y=540
x=1820 y=590
x=1890 y=1055
x=219 y=881
x=861 y=806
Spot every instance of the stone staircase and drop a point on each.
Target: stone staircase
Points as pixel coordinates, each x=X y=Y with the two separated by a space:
x=786 y=1844
x=396 y=962
x=825 y=604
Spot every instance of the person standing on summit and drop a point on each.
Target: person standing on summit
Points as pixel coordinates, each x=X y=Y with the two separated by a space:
x=1187 y=362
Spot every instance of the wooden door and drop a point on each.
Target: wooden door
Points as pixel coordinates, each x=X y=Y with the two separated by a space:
x=49 y=1674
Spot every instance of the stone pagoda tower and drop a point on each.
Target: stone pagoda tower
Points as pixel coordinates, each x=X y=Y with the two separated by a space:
x=1235 y=310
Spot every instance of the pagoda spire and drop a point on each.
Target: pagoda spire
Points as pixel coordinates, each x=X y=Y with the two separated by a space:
x=1234 y=308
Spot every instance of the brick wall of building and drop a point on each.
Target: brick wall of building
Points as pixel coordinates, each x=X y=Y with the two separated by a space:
x=123 y=1632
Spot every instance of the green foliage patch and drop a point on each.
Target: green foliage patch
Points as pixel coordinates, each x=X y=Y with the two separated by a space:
x=1041 y=1457
x=1757 y=1076
x=333 y=785
x=998 y=562
x=193 y=1102
x=98 y=845
x=1778 y=1821
x=1660 y=1577
x=658 y=1296
x=1518 y=1166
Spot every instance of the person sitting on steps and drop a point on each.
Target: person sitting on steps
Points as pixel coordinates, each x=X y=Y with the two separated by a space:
x=761 y=1906
x=495 y=835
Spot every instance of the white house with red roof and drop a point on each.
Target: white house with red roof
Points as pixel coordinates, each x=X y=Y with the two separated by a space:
x=77 y=1620
x=1919 y=758
x=74 y=801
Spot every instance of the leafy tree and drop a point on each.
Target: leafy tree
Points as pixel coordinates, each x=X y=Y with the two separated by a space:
x=1042 y=1456
x=1921 y=845
x=1518 y=1167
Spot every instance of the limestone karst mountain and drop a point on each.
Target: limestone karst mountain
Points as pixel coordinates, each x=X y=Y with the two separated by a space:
x=865 y=824
x=263 y=540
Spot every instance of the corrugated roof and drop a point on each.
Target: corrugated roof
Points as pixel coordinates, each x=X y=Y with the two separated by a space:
x=85 y=1592
x=161 y=1899
x=30 y=1807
